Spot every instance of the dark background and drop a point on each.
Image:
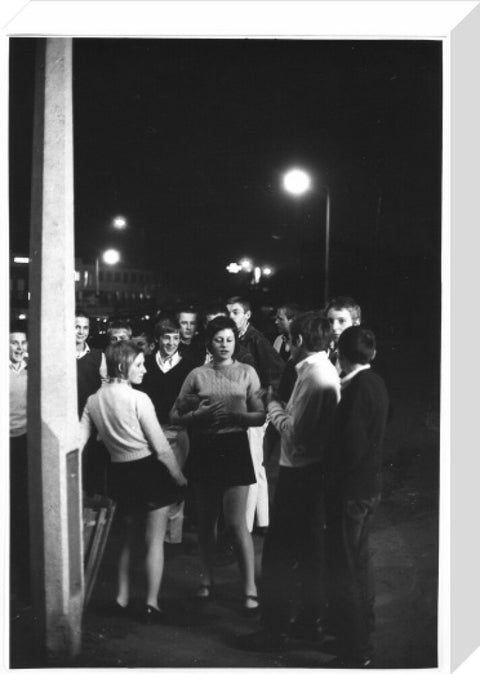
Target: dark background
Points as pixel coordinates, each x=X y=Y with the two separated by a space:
x=189 y=138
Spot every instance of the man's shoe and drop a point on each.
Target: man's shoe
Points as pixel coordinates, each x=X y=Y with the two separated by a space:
x=263 y=641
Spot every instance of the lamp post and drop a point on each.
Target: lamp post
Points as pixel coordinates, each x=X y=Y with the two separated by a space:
x=296 y=182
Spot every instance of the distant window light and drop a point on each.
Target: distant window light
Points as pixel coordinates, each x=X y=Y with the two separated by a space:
x=22 y=317
x=77 y=276
x=21 y=260
x=86 y=278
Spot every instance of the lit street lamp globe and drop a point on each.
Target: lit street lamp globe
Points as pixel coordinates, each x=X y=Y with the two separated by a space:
x=119 y=222
x=296 y=181
x=111 y=256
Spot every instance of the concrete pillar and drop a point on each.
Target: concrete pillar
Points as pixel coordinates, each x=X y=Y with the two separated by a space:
x=54 y=468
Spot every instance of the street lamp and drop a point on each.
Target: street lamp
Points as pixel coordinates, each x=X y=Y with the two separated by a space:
x=119 y=222
x=110 y=257
x=296 y=182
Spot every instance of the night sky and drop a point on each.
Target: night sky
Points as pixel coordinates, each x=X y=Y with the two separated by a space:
x=189 y=138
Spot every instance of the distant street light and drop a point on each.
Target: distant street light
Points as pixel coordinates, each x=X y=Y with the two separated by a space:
x=110 y=257
x=248 y=266
x=119 y=222
x=297 y=182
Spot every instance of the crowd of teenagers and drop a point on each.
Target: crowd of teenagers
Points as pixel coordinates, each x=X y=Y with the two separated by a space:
x=176 y=426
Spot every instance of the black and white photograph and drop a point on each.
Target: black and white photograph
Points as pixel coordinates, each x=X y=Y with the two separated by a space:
x=225 y=263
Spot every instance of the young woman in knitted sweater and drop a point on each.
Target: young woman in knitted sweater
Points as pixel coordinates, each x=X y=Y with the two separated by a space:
x=219 y=464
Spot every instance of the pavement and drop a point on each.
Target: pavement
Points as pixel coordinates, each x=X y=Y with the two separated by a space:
x=405 y=554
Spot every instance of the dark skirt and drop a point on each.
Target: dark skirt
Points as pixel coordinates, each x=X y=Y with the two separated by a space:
x=142 y=485
x=222 y=460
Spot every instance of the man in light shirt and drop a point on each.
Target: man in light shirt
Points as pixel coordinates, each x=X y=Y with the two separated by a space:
x=295 y=538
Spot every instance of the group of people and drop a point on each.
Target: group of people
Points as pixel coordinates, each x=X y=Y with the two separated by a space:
x=195 y=409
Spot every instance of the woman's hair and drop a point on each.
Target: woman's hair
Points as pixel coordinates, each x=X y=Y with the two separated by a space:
x=119 y=357
x=217 y=325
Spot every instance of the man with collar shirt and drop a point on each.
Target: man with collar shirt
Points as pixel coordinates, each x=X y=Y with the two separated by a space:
x=353 y=469
x=341 y=312
x=295 y=538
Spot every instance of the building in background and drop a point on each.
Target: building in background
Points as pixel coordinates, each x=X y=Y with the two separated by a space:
x=100 y=289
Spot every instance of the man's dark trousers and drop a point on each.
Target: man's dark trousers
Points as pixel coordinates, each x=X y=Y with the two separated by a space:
x=293 y=561
x=350 y=572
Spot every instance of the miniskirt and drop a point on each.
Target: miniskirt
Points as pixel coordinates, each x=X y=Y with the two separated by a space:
x=221 y=459
x=142 y=485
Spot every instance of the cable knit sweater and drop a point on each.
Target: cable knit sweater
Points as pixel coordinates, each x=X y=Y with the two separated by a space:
x=235 y=385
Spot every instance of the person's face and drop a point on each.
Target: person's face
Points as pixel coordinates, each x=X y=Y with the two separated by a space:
x=239 y=316
x=223 y=345
x=296 y=353
x=18 y=347
x=142 y=342
x=340 y=320
x=119 y=335
x=82 y=329
x=137 y=370
x=188 y=325
x=168 y=344
x=282 y=322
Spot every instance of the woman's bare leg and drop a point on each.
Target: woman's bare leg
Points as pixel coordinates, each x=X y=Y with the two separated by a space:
x=208 y=507
x=123 y=571
x=234 y=508
x=156 y=526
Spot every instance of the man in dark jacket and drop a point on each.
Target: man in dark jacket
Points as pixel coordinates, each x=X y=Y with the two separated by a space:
x=354 y=481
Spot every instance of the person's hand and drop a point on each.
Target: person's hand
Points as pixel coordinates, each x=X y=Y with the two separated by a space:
x=270 y=396
x=222 y=418
x=187 y=403
x=206 y=410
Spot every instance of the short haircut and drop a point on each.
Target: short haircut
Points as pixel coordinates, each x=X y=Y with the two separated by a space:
x=216 y=325
x=240 y=300
x=119 y=357
x=314 y=329
x=348 y=303
x=186 y=309
x=291 y=310
x=80 y=313
x=357 y=344
x=165 y=326
x=19 y=326
x=119 y=324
